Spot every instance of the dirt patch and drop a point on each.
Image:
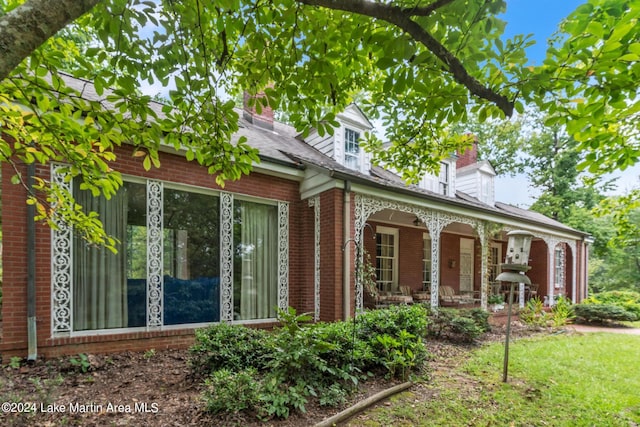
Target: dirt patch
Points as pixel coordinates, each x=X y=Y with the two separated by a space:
x=154 y=389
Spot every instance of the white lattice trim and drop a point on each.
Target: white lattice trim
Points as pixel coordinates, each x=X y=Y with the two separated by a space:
x=226 y=257
x=155 y=252
x=61 y=262
x=315 y=204
x=283 y=255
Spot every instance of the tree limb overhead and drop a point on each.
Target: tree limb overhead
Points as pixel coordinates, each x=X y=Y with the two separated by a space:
x=401 y=18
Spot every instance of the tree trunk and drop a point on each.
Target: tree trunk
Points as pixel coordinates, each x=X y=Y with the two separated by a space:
x=29 y=25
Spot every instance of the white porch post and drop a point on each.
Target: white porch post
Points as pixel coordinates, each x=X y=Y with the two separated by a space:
x=551 y=270
x=574 y=270
x=435 y=264
x=485 y=241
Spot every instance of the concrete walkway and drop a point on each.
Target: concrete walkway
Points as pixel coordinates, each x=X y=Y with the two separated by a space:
x=609 y=329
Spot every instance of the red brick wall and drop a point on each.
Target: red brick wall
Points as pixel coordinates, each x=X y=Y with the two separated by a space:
x=331 y=213
x=410 y=254
x=468 y=157
x=173 y=169
x=410 y=257
x=538 y=260
x=450 y=250
x=410 y=261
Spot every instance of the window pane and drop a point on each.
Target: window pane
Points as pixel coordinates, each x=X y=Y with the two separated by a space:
x=351 y=149
x=385 y=261
x=191 y=258
x=109 y=290
x=351 y=141
x=255 y=279
x=137 y=254
x=351 y=161
x=426 y=263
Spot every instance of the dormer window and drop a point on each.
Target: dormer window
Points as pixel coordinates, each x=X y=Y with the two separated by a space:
x=444 y=179
x=351 y=149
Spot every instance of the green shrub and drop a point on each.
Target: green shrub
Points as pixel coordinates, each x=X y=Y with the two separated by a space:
x=302 y=365
x=228 y=391
x=602 y=313
x=457 y=325
x=400 y=355
x=279 y=398
x=480 y=318
x=533 y=313
x=233 y=347
x=300 y=359
x=562 y=312
x=351 y=349
x=628 y=300
x=392 y=320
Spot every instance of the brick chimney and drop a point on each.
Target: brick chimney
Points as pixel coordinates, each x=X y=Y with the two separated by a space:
x=469 y=156
x=263 y=120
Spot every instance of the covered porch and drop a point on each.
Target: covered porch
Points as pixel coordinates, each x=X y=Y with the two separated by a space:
x=423 y=254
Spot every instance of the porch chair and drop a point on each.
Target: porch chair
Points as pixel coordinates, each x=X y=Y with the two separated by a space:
x=448 y=296
x=533 y=290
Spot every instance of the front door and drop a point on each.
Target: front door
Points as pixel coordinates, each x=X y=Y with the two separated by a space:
x=466 y=265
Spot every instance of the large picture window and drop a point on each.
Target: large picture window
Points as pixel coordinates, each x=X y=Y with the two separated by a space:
x=101 y=293
x=168 y=267
x=255 y=281
x=191 y=267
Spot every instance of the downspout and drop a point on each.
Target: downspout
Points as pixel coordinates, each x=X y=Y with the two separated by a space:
x=31 y=270
x=346 y=254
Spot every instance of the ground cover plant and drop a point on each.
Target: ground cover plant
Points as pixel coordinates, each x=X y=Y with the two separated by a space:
x=611 y=306
x=271 y=374
x=554 y=379
x=463 y=325
x=536 y=315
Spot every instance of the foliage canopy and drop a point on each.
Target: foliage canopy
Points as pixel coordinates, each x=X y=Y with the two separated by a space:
x=421 y=66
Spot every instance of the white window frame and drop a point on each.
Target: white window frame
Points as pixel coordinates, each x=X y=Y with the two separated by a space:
x=426 y=262
x=494 y=265
x=558 y=266
x=62 y=262
x=351 y=154
x=394 y=232
x=444 y=178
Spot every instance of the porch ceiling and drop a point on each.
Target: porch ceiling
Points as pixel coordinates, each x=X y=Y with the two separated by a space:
x=405 y=219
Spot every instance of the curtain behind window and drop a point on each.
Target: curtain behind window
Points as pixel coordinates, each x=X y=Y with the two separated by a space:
x=99 y=275
x=257 y=253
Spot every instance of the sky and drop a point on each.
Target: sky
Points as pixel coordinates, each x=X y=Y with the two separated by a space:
x=541 y=18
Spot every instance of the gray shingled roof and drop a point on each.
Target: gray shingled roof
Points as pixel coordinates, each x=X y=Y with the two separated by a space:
x=273 y=145
x=283 y=146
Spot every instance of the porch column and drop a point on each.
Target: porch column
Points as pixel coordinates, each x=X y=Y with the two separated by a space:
x=485 y=241
x=435 y=265
x=550 y=271
x=574 y=270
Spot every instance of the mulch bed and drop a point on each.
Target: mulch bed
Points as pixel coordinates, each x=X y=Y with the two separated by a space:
x=154 y=389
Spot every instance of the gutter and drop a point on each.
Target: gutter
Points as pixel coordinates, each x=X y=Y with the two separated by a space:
x=32 y=337
x=346 y=253
x=337 y=174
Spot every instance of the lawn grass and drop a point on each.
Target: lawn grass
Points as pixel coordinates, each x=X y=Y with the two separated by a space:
x=556 y=380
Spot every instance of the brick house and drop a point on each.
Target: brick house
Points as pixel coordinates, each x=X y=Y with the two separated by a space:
x=289 y=234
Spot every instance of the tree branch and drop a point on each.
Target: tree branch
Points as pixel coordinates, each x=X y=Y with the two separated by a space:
x=401 y=18
x=29 y=25
x=427 y=10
